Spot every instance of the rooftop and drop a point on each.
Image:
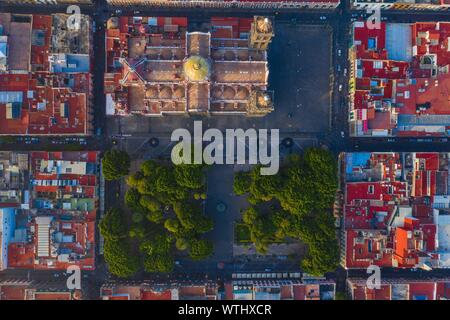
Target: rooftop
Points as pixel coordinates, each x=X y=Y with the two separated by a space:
x=159 y=291
x=401 y=80
x=51 y=93
x=53 y=225
x=389 y=215
x=401 y=289
x=154 y=66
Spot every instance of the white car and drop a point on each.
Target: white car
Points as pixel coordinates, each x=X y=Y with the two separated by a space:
x=340 y=88
x=323 y=18
x=339 y=52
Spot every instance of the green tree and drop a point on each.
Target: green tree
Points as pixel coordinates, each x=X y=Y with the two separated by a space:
x=242 y=182
x=203 y=224
x=305 y=189
x=134 y=178
x=137 y=231
x=159 y=263
x=173 y=225
x=132 y=198
x=149 y=168
x=160 y=243
x=150 y=203
x=189 y=175
x=119 y=260
x=112 y=225
x=156 y=216
x=181 y=244
x=137 y=217
x=264 y=187
x=200 y=249
x=115 y=164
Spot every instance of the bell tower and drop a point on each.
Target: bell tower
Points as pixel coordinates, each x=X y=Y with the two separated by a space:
x=261 y=33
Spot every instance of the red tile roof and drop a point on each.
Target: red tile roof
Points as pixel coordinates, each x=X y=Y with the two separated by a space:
x=409 y=239
x=386 y=88
x=45 y=94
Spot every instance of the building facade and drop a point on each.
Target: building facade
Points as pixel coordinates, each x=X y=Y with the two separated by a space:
x=305 y=4
x=415 y=5
x=48 y=2
x=400 y=289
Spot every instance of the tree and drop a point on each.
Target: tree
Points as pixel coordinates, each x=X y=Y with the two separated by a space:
x=134 y=178
x=264 y=187
x=150 y=203
x=137 y=217
x=157 y=253
x=137 y=231
x=149 y=168
x=250 y=215
x=321 y=171
x=117 y=249
x=112 y=226
x=173 y=225
x=153 y=191
x=156 y=216
x=189 y=175
x=181 y=244
x=115 y=164
x=120 y=262
x=200 y=249
x=132 y=197
x=185 y=213
x=305 y=189
x=159 y=243
x=242 y=182
x=159 y=263
x=203 y=224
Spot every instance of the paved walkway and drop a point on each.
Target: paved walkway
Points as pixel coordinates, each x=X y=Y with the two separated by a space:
x=220 y=189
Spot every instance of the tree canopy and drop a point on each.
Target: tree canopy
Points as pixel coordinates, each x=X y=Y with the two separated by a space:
x=302 y=193
x=115 y=164
x=117 y=251
x=165 y=215
x=200 y=249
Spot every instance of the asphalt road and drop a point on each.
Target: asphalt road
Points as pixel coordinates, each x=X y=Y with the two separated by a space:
x=339 y=21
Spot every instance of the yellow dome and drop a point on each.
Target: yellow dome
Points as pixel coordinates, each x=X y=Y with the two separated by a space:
x=196 y=68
